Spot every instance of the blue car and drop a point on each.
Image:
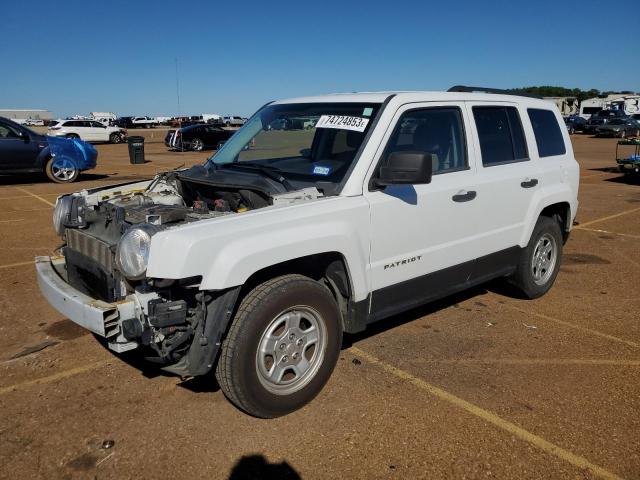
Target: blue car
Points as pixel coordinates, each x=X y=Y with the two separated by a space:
x=24 y=151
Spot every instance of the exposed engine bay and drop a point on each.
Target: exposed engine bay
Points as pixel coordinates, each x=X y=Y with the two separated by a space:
x=170 y=199
x=100 y=256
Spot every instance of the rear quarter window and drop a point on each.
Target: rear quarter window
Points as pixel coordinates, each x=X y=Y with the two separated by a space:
x=547 y=132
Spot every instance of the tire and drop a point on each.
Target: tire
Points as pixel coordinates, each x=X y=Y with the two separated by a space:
x=72 y=135
x=115 y=138
x=197 y=145
x=534 y=276
x=61 y=171
x=277 y=319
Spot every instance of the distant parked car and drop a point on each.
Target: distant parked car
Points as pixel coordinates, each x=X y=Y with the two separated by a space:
x=34 y=123
x=24 y=151
x=575 y=123
x=601 y=118
x=144 y=122
x=88 y=130
x=197 y=137
x=619 y=127
x=123 y=122
x=232 y=121
x=286 y=124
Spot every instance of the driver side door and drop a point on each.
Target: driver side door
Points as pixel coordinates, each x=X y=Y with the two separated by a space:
x=17 y=151
x=422 y=236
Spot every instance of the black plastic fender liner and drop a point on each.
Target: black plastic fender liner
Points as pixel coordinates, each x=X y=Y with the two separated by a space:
x=205 y=346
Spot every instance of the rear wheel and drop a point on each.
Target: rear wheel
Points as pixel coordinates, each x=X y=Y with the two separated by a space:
x=197 y=145
x=61 y=170
x=539 y=262
x=281 y=347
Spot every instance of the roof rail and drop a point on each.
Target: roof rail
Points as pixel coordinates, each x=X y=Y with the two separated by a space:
x=463 y=88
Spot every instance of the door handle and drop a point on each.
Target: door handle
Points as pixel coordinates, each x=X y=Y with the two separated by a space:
x=464 y=196
x=529 y=183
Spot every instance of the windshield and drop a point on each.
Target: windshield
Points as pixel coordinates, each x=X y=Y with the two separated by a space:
x=305 y=143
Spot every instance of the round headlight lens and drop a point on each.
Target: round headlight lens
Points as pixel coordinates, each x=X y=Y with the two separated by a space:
x=61 y=213
x=132 y=253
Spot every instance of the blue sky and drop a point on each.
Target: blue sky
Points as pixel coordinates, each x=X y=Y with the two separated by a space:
x=79 y=56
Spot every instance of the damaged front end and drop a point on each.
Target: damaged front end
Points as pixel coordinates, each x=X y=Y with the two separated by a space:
x=99 y=280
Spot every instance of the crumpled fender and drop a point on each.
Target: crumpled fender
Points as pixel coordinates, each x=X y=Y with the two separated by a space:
x=81 y=154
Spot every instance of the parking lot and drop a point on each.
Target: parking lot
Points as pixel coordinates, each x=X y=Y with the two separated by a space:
x=481 y=385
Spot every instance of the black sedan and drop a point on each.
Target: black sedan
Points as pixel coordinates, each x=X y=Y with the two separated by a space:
x=575 y=123
x=619 y=127
x=601 y=118
x=197 y=137
x=24 y=151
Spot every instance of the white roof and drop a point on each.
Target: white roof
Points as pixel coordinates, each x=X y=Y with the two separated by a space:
x=407 y=96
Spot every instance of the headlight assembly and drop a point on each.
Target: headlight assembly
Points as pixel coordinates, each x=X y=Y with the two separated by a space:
x=61 y=213
x=132 y=253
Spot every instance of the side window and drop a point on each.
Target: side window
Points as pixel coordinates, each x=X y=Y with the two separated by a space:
x=500 y=134
x=69 y=124
x=547 y=132
x=7 y=132
x=438 y=131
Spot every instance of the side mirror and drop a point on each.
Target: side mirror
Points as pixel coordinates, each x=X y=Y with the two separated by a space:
x=25 y=137
x=406 y=168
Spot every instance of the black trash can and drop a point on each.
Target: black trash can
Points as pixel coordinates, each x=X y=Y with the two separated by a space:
x=136 y=149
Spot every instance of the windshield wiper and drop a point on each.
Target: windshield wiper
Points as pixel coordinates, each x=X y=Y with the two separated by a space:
x=271 y=172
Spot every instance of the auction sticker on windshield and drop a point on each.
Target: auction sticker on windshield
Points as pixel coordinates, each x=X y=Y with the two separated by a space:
x=343 y=122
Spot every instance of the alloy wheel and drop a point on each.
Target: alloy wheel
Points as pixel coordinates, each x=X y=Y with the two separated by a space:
x=291 y=350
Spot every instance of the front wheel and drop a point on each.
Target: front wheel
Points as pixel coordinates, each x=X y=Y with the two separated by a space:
x=115 y=138
x=281 y=347
x=197 y=145
x=539 y=262
x=61 y=170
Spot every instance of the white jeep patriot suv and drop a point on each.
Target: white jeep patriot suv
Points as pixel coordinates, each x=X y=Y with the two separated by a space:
x=255 y=263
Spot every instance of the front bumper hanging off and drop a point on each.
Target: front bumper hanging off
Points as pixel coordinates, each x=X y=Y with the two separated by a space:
x=102 y=318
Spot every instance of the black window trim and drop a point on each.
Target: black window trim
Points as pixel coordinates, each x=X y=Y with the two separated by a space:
x=527 y=158
x=374 y=175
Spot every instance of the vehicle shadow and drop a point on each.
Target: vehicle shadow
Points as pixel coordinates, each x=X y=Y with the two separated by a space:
x=498 y=286
x=138 y=360
x=412 y=315
x=257 y=467
x=630 y=179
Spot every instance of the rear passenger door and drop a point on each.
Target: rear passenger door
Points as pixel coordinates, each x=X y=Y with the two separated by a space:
x=85 y=130
x=506 y=182
x=99 y=132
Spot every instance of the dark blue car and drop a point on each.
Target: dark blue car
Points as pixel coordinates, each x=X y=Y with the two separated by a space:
x=24 y=151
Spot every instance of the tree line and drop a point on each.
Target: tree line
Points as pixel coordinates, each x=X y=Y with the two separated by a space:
x=550 y=91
